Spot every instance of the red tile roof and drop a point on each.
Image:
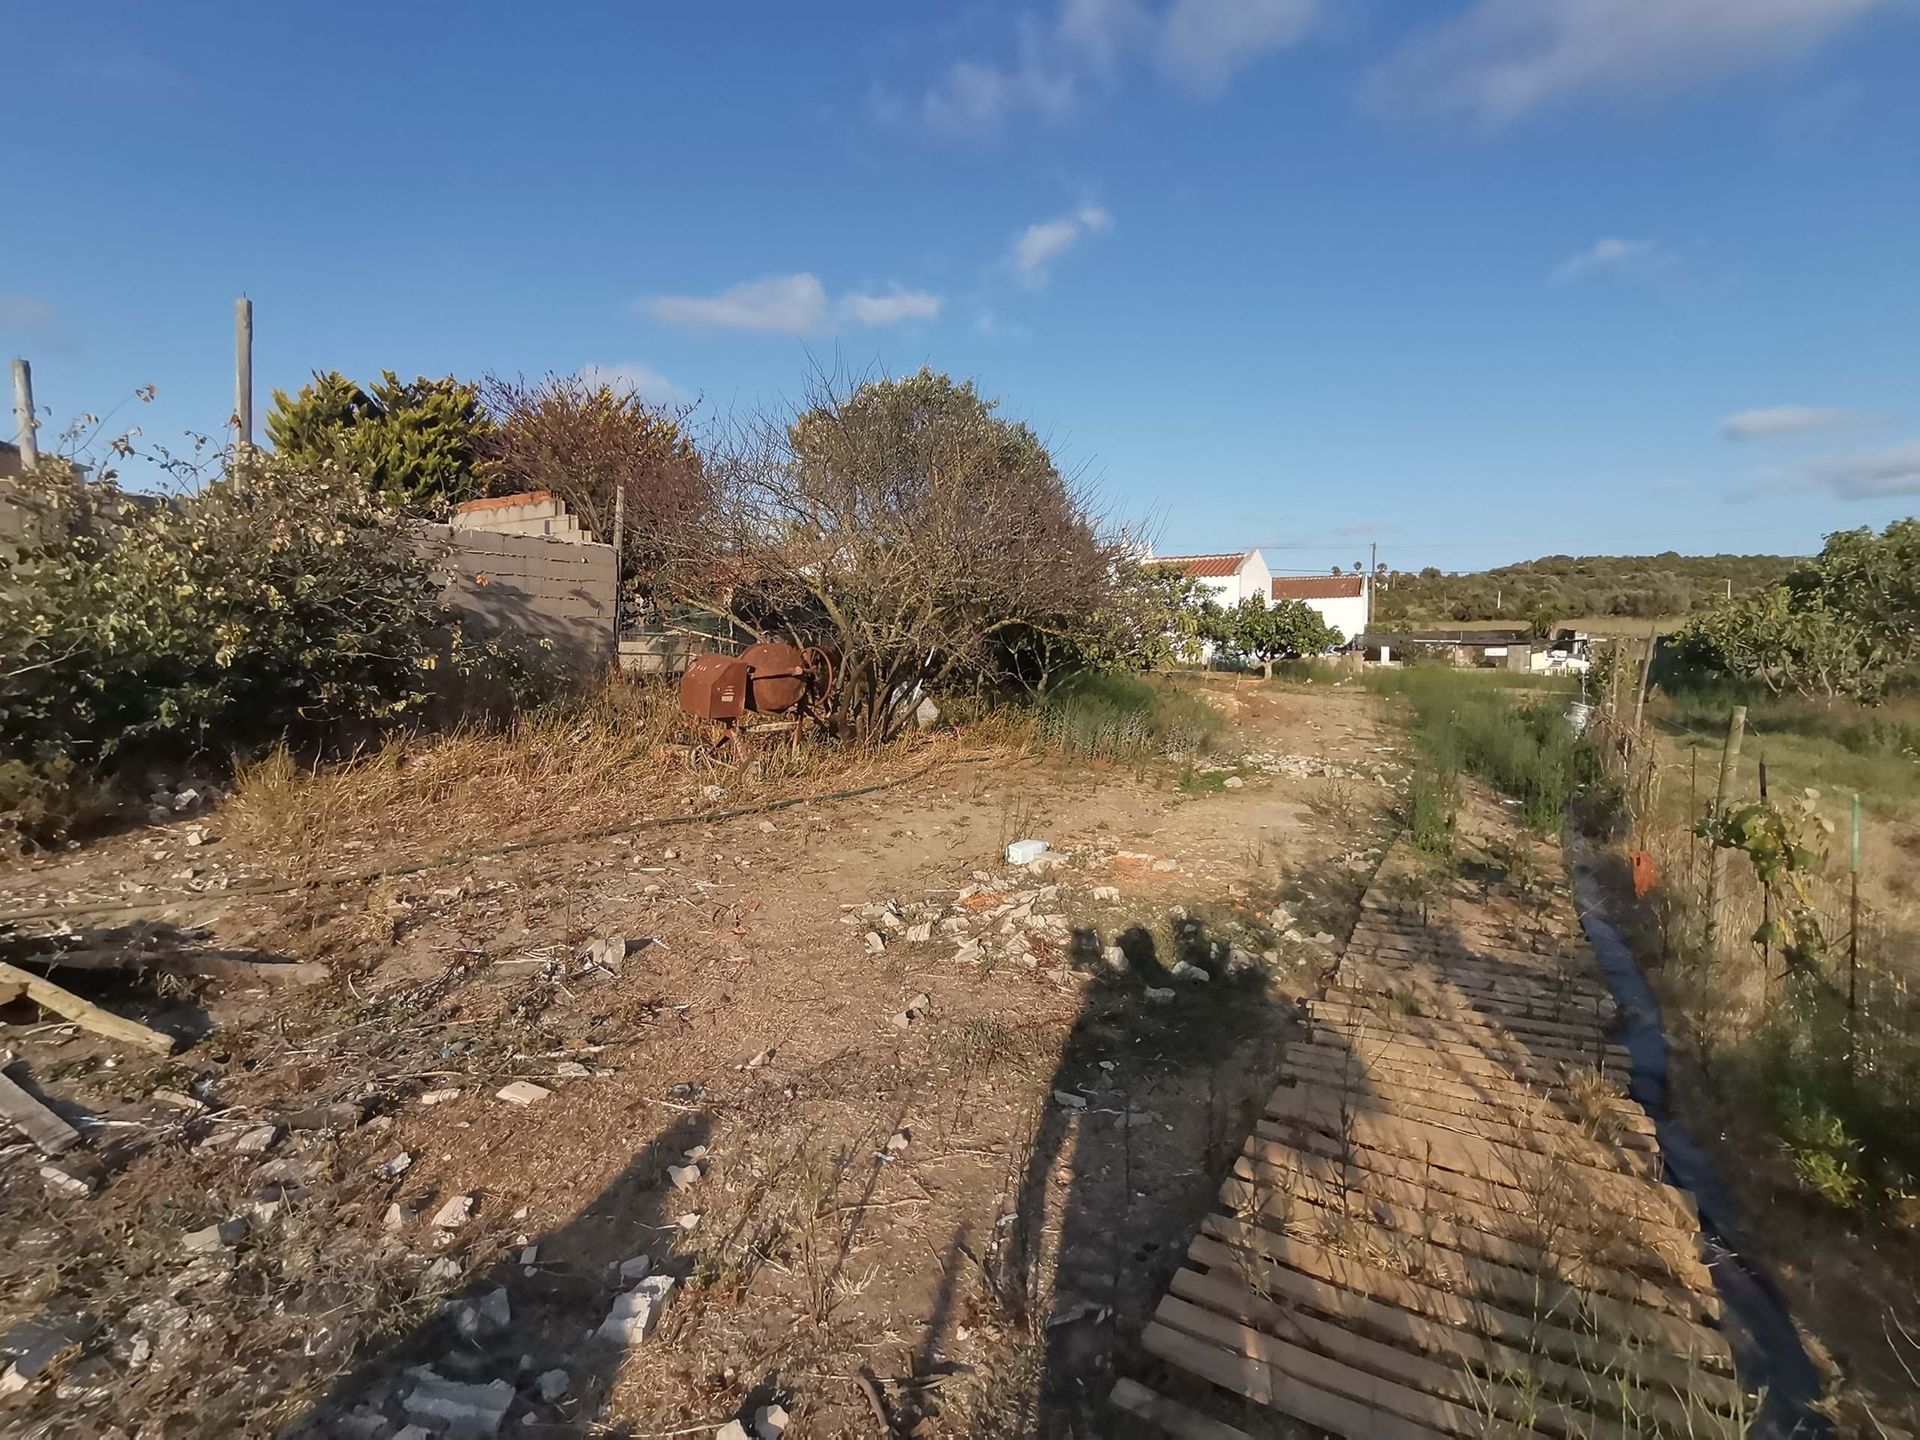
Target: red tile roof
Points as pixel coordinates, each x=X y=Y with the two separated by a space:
x=525 y=497
x=1206 y=567
x=1319 y=587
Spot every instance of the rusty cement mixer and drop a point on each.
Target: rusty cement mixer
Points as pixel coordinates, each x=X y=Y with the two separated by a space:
x=770 y=678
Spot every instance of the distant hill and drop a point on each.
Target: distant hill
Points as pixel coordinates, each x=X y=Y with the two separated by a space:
x=1573 y=586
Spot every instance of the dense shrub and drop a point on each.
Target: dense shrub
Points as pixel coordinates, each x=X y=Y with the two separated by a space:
x=421 y=444
x=1121 y=717
x=296 y=606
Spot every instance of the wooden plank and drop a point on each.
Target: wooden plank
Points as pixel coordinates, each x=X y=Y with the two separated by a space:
x=1535 y=1290
x=1505 y=1164
x=1625 y=1122
x=1561 y=1139
x=197 y=964
x=1132 y=1398
x=69 y=1006
x=39 y=1124
x=1378 y=1392
x=1277 y=1196
x=1258 y=1383
x=1449 y=1379
x=1654 y=1368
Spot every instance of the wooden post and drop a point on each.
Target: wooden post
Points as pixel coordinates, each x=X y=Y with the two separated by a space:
x=23 y=414
x=1729 y=762
x=242 y=385
x=1766 y=910
x=1853 y=931
x=1646 y=677
x=619 y=547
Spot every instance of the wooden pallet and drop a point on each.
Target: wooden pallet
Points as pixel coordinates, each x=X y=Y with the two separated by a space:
x=1451 y=1219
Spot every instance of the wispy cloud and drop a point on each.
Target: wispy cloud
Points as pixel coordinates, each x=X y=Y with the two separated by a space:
x=1084 y=46
x=1498 y=60
x=1610 y=253
x=1784 y=420
x=631 y=378
x=1039 y=245
x=1869 y=475
x=790 y=305
x=30 y=320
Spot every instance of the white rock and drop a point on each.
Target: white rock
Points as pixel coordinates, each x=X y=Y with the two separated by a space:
x=766 y=827
x=529 y=1254
x=1183 y=971
x=215 y=1237
x=684 y=1177
x=969 y=953
x=522 y=1093
x=1166 y=865
x=897 y=1142
x=921 y=933
x=394 y=1219
x=635 y=1313
x=875 y=942
x=1157 y=995
x=1106 y=892
x=439 y=1097
x=1113 y=957
x=732 y=1430
x=1025 y=852
x=770 y=1423
x=396 y=1167
x=463 y=1409
x=413 y=1432
x=442 y=1274
x=552 y=1384
x=571 y=1070
x=1232 y=782
x=455 y=1213
x=61 y=1183
x=688 y=1222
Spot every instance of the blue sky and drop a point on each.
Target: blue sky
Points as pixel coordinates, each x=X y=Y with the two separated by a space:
x=1476 y=280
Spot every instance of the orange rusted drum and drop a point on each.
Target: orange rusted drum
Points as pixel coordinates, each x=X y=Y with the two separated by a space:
x=777 y=677
x=715 y=687
x=1646 y=874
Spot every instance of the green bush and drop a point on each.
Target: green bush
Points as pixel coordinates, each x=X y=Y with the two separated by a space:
x=1123 y=717
x=296 y=607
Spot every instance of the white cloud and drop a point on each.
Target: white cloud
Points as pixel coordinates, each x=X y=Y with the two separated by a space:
x=1500 y=59
x=790 y=305
x=1205 y=43
x=24 y=315
x=1609 y=253
x=1873 y=475
x=1039 y=245
x=1783 y=420
x=892 y=308
x=1197 y=45
x=781 y=304
x=642 y=380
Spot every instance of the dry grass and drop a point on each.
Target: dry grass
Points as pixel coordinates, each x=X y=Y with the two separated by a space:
x=619 y=752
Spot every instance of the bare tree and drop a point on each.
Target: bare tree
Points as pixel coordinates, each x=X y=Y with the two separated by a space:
x=906 y=526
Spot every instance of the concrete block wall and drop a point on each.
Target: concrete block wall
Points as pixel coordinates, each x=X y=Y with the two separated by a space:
x=536 y=512
x=513 y=587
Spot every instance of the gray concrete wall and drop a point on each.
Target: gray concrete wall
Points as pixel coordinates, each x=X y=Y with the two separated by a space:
x=526 y=588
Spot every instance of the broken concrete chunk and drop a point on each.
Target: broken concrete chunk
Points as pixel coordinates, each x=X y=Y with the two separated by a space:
x=63 y=1182
x=1069 y=1101
x=1107 y=893
x=688 y=1222
x=921 y=933
x=1158 y=995
x=1113 y=957
x=898 y=1141
x=635 y=1268
x=468 y=1410
x=1183 y=971
x=635 y=1313
x=571 y=1070
x=969 y=953
x=684 y=1177
x=1025 y=852
x=394 y=1219
x=242 y=1140
x=1166 y=865
x=522 y=1093
x=215 y=1237
x=441 y=1274
x=396 y=1167
x=875 y=942
x=455 y=1213
x=439 y=1097
x=770 y=1422
x=552 y=1385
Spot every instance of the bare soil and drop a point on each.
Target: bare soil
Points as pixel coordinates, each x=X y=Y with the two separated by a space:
x=940 y=1181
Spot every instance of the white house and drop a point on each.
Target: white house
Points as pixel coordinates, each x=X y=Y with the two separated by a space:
x=1226 y=579
x=1340 y=600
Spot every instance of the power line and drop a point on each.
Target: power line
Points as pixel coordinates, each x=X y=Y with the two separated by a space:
x=1530 y=540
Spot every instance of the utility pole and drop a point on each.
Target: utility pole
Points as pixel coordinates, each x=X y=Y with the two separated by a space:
x=1373 y=575
x=242 y=385
x=23 y=414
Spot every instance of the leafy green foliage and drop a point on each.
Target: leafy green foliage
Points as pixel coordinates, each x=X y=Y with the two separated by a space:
x=297 y=605
x=1255 y=631
x=421 y=444
x=1786 y=846
x=1847 y=623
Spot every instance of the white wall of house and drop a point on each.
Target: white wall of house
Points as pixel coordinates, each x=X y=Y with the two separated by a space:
x=1347 y=614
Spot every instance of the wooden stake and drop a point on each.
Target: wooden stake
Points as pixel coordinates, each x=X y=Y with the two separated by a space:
x=39 y=1124
x=1646 y=677
x=1853 y=931
x=242 y=384
x=1729 y=762
x=84 y=1013
x=23 y=416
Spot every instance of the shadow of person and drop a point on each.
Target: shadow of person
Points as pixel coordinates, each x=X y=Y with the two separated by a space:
x=1109 y=1175
x=525 y=1337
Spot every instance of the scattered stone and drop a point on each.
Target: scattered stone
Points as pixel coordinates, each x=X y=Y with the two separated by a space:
x=1183 y=971
x=761 y=1061
x=969 y=953
x=712 y=792
x=732 y=1430
x=396 y=1167
x=413 y=1432
x=635 y=1268
x=766 y=827
x=688 y=1222
x=395 y=1218
x=1113 y=957
x=1232 y=782
x=215 y=1237
x=472 y=1410
x=698 y=1152
x=529 y=1255
x=522 y=1093
x=1108 y=893
x=62 y=1182
x=635 y=1313
x=440 y=1097
x=898 y=1141
x=242 y=1140
x=552 y=1385
x=1158 y=995
x=489 y=1315
x=197 y=836
x=876 y=943
x=173 y=1099
x=1166 y=865
x=1025 y=852
x=921 y=933
x=455 y=1213
x=1068 y=1101
x=916 y=1009
x=770 y=1423
x=442 y=1274
x=1323 y=938
x=684 y=1177
x=609 y=951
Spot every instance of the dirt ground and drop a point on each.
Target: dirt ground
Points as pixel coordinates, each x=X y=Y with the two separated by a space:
x=911 y=1131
